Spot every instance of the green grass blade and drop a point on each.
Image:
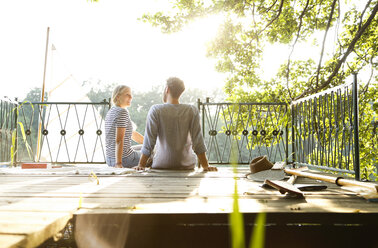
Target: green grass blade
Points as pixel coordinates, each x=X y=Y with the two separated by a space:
x=258 y=233
x=13 y=147
x=28 y=148
x=237 y=223
x=236 y=218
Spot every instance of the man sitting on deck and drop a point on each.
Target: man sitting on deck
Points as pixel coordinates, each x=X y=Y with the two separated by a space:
x=176 y=131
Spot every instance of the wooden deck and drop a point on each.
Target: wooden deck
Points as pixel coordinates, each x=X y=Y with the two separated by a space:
x=33 y=208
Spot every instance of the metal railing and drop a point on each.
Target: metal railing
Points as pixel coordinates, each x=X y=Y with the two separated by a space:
x=325 y=130
x=375 y=142
x=8 y=114
x=61 y=132
x=238 y=132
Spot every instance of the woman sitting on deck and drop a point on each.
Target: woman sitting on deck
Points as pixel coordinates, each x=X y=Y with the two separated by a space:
x=119 y=131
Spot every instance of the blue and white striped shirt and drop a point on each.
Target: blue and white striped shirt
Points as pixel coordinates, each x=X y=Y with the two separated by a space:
x=117 y=117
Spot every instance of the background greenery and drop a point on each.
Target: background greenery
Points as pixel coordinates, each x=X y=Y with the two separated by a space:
x=343 y=32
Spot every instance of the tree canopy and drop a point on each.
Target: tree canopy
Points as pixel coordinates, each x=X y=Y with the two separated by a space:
x=342 y=32
x=251 y=26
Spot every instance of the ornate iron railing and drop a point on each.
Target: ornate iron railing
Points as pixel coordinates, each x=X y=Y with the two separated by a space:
x=61 y=132
x=325 y=130
x=238 y=132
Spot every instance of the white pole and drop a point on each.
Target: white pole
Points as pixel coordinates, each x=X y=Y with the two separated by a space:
x=42 y=96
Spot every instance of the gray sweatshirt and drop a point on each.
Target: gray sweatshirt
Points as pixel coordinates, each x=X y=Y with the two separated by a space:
x=175 y=130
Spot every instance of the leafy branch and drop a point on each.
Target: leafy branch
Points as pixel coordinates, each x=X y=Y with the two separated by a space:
x=340 y=62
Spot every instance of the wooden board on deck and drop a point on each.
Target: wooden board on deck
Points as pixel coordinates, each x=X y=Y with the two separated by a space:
x=35 y=207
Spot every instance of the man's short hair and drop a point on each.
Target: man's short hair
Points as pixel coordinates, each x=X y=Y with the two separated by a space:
x=176 y=86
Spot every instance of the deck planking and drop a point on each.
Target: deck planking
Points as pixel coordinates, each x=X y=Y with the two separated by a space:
x=35 y=207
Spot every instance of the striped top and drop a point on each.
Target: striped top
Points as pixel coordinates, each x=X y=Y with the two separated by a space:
x=117 y=117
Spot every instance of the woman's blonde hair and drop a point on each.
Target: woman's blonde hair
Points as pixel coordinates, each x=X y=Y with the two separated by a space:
x=117 y=91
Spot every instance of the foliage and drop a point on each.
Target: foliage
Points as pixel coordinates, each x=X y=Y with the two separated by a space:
x=14 y=145
x=28 y=120
x=252 y=27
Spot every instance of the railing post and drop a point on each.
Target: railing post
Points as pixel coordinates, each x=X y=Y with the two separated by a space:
x=356 y=161
x=202 y=114
x=203 y=127
x=287 y=136
x=292 y=133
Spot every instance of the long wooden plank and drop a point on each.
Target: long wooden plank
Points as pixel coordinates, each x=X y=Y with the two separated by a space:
x=39 y=204
x=12 y=241
x=222 y=172
x=226 y=206
x=124 y=192
x=37 y=227
x=198 y=204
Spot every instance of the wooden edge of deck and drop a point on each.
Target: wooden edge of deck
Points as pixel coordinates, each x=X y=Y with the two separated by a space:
x=35 y=238
x=11 y=240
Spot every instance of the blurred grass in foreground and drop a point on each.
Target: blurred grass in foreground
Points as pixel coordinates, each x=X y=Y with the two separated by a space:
x=236 y=217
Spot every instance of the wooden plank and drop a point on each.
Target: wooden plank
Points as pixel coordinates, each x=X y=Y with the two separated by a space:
x=37 y=227
x=39 y=204
x=139 y=193
x=12 y=241
x=226 y=205
x=220 y=174
x=277 y=201
x=10 y=219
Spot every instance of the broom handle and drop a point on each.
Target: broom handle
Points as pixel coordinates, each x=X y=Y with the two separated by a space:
x=337 y=180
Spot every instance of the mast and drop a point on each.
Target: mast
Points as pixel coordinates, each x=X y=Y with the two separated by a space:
x=42 y=97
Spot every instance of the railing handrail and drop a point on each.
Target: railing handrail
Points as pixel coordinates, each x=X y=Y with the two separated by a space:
x=105 y=102
x=243 y=103
x=7 y=99
x=324 y=92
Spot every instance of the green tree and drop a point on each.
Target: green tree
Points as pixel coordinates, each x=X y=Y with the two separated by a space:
x=253 y=26
x=29 y=115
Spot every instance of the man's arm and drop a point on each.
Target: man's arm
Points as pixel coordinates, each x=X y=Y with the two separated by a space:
x=149 y=140
x=142 y=162
x=198 y=143
x=205 y=164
